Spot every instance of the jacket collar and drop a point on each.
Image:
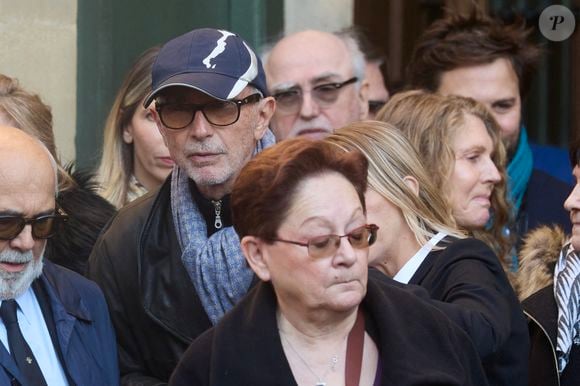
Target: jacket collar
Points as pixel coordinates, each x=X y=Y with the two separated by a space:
x=542 y=307
x=66 y=305
x=167 y=293
x=63 y=294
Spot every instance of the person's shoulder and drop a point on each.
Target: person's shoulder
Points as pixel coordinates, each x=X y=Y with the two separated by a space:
x=553 y=161
x=468 y=247
x=542 y=183
x=385 y=293
x=406 y=308
x=543 y=201
x=134 y=211
x=126 y=225
x=537 y=259
x=63 y=279
x=195 y=363
x=78 y=295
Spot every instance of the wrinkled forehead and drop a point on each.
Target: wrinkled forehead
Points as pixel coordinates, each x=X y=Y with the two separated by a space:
x=312 y=201
x=27 y=169
x=304 y=61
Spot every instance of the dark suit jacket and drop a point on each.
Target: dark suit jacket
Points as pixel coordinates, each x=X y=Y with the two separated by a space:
x=83 y=329
x=468 y=283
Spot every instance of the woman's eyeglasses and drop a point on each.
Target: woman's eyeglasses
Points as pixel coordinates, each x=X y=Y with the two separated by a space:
x=43 y=227
x=327 y=245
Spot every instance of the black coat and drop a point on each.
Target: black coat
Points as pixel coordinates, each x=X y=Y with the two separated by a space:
x=154 y=307
x=543 y=204
x=542 y=311
x=418 y=345
x=470 y=286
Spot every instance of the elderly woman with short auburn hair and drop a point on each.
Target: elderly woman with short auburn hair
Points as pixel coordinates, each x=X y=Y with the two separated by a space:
x=315 y=317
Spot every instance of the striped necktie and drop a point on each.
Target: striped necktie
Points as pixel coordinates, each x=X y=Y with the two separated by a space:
x=567 y=294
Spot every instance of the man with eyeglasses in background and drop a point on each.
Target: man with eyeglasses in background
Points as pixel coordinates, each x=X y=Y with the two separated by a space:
x=54 y=324
x=170 y=264
x=318 y=81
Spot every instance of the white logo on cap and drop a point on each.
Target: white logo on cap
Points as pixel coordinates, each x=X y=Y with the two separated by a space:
x=219 y=48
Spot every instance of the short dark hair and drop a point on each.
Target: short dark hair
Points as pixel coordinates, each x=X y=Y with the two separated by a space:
x=469 y=40
x=264 y=190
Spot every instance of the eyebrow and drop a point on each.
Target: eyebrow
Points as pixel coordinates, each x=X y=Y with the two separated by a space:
x=503 y=100
x=324 y=77
x=325 y=221
x=14 y=213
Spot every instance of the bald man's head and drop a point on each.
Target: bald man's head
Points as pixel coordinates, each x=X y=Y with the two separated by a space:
x=27 y=196
x=23 y=156
x=317 y=79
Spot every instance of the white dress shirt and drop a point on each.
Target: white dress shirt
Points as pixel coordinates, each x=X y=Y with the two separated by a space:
x=36 y=334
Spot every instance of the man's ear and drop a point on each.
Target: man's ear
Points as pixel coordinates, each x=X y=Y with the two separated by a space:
x=363 y=97
x=266 y=110
x=412 y=183
x=253 y=249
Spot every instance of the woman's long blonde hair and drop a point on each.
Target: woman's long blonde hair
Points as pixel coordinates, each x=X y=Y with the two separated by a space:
x=430 y=121
x=116 y=167
x=391 y=158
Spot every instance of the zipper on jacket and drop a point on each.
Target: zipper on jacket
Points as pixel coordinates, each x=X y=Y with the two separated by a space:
x=217 y=207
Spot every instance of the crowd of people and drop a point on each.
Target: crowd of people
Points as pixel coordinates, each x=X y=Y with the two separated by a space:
x=281 y=218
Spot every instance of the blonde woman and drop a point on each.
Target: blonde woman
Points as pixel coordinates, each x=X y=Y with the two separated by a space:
x=459 y=144
x=135 y=158
x=419 y=243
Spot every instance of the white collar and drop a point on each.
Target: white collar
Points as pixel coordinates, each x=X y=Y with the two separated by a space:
x=412 y=265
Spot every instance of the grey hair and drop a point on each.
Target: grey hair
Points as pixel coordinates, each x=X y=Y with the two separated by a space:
x=356 y=55
x=352 y=45
x=265 y=52
x=53 y=163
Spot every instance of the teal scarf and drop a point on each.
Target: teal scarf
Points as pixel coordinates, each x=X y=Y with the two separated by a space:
x=519 y=171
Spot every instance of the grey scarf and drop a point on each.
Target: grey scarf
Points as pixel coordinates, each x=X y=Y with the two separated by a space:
x=216 y=265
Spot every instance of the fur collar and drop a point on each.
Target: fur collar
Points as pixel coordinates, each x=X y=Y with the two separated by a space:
x=538 y=257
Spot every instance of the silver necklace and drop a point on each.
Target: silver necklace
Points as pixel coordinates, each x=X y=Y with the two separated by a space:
x=331 y=366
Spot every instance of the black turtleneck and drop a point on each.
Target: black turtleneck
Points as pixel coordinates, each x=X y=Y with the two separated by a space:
x=210 y=208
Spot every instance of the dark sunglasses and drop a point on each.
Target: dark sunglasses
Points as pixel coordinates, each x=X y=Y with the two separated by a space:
x=177 y=116
x=43 y=227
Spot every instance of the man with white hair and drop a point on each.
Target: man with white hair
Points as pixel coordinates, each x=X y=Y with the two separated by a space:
x=318 y=81
x=54 y=324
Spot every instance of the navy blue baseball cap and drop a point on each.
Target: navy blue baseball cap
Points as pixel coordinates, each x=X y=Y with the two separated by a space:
x=216 y=62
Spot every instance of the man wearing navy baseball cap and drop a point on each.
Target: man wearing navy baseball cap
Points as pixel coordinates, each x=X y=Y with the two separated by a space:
x=170 y=264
